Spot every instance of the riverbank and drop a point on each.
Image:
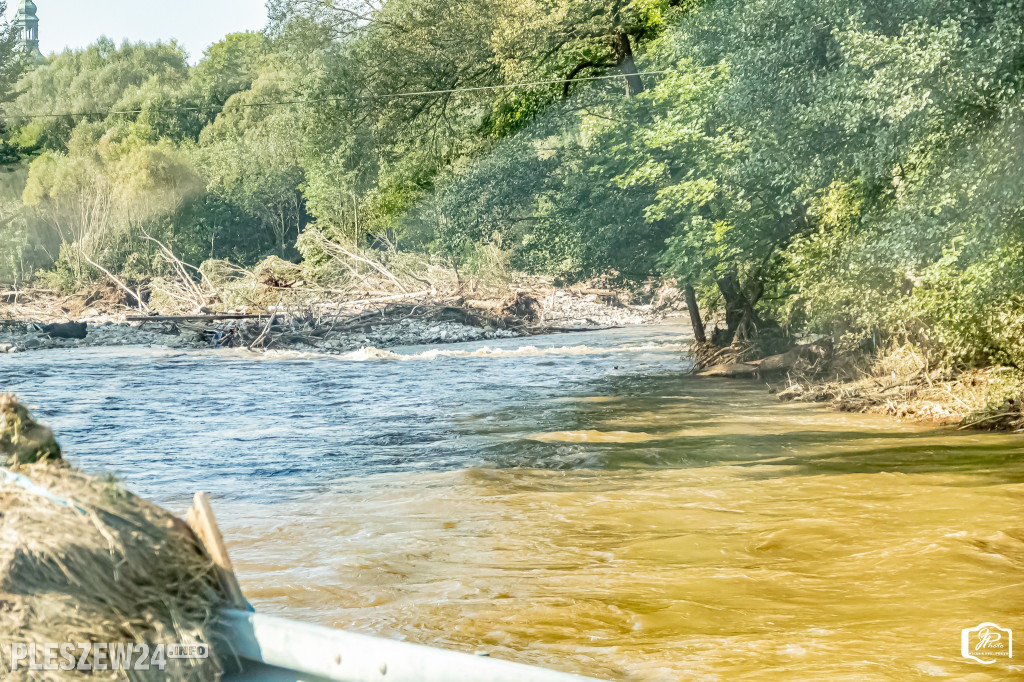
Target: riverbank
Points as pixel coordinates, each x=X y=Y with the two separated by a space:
x=902 y=385
x=331 y=327
x=899 y=383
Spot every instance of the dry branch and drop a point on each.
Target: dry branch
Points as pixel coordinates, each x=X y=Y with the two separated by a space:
x=118 y=282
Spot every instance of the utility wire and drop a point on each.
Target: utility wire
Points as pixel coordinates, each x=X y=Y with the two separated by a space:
x=394 y=95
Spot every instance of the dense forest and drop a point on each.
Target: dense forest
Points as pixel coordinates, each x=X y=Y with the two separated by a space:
x=838 y=167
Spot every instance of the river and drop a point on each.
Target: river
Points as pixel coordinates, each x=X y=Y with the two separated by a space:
x=575 y=501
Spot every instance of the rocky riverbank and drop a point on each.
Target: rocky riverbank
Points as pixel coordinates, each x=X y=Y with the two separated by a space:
x=425 y=322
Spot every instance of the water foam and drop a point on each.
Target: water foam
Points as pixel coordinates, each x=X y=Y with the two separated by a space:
x=371 y=353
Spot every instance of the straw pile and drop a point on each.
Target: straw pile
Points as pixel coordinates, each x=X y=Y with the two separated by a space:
x=105 y=567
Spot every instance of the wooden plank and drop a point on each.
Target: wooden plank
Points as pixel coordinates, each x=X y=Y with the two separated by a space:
x=201 y=518
x=386 y=299
x=197 y=318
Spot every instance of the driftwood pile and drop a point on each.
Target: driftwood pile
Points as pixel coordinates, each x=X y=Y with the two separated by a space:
x=517 y=308
x=898 y=383
x=47 y=306
x=733 y=362
x=286 y=328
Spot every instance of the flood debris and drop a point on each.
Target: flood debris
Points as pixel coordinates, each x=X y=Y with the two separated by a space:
x=518 y=308
x=22 y=440
x=729 y=370
x=899 y=382
x=83 y=560
x=744 y=360
x=1007 y=415
x=65 y=330
x=342 y=326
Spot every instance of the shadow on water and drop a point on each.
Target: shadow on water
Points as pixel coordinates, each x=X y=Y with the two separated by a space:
x=676 y=420
x=989 y=464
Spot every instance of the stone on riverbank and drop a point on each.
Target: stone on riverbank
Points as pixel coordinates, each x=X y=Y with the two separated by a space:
x=66 y=330
x=394 y=324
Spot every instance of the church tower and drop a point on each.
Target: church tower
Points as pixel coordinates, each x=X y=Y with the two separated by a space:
x=28 y=27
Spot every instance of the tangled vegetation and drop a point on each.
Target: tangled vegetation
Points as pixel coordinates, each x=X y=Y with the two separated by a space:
x=842 y=168
x=83 y=559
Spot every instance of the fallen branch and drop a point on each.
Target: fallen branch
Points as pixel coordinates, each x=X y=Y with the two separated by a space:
x=142 y=306
x=386 y=299
x=263 y=334
x=196 y=318
x=329 y=246
x=567 y=330
x=987 y=419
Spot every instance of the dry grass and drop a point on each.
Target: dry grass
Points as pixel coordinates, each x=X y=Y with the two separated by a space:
x=44 y=305
x=108 y=567
x=342 y=275
x=900 y=383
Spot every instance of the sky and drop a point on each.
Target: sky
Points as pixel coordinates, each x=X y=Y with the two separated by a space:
x=194 y=23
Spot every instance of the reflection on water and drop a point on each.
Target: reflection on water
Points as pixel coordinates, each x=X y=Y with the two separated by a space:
x=595 y=511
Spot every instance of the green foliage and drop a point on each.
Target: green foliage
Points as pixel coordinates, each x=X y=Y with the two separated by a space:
x=13 y=63
x=24 y=243
x=851 y=168
x=100 y=78
x=811 y=161
x=208 y=183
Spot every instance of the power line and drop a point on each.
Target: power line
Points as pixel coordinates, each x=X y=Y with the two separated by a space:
x=395 y=95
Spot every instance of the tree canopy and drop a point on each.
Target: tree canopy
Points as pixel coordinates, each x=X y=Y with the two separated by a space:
x=843 y=167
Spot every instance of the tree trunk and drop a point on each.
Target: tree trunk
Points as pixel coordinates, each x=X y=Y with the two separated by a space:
x=735 y=302
x=740 y=317
x=695 y=320
x=624 y=58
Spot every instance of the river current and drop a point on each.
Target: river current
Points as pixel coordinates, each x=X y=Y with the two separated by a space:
x=574 y=501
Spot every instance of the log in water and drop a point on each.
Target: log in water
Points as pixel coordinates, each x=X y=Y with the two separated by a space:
x=577 y=502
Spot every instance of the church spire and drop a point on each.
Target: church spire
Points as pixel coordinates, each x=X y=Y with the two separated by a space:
x=28 y=27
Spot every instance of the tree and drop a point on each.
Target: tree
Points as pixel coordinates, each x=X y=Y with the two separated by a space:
x=99 y=194
x=570 y=38
x=92 y=81
x=13 y=64
x=251 y=157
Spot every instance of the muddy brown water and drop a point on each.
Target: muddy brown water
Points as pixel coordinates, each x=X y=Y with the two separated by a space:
x=578 y=502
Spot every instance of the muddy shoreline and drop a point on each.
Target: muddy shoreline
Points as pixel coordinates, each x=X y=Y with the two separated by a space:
x=987 y=399
x=900 y=382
